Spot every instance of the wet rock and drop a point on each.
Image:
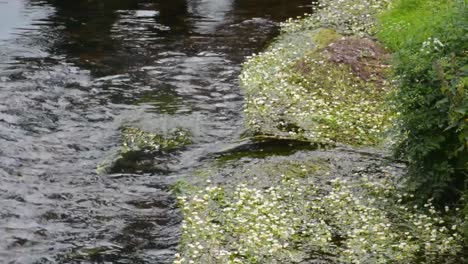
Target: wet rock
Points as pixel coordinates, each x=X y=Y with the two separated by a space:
x=146 y=152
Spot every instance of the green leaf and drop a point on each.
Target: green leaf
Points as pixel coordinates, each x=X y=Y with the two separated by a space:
x=463 y=109
x=442 y=102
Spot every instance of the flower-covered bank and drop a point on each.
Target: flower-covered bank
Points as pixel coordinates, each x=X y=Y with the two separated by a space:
x=305 y=208
x=324 y=81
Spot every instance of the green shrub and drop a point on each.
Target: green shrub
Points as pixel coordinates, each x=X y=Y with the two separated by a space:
x=429 y=40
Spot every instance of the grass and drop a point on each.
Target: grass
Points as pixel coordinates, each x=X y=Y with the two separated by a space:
x=409 y=23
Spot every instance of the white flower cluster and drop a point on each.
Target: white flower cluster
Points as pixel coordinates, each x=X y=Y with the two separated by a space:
x=431 y=45
x=363 y=222
x=349 y=17
x=326 y=104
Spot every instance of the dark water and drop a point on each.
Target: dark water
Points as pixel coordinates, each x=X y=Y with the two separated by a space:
x=72 y=73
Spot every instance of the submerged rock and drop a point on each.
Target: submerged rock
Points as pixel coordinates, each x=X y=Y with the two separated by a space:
x=144 y=152
x=138 y=140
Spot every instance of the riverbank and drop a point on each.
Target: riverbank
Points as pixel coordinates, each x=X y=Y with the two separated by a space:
x=325 y=80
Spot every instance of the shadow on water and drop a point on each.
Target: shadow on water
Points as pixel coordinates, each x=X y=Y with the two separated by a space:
x=88 y=30
x=259 y=148
x=72 y=73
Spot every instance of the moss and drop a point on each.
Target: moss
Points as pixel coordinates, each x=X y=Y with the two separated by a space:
x=325 y=37
x=181 y=186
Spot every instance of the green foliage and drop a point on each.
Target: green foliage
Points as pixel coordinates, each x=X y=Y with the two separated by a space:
x=408 y=23
x=429 y=38
x=298 y=215
x=464 y=215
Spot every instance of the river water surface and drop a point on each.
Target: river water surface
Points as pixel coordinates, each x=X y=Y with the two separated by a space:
x=72 y=73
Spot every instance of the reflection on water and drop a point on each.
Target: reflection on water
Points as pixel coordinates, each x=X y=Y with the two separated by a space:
x=72 y=73
x=211 y=13
x=11 y=17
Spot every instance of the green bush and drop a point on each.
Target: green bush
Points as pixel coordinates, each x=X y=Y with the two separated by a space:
x=429 y=40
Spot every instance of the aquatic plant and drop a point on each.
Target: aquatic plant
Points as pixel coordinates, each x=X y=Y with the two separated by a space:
x=138 y=140
x=307 y=86
x=140 y=147
x=298 y=88
x=348 y=17
x=305 y=95
x=299 y=219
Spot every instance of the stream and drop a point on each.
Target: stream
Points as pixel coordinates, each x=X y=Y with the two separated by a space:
x=72 y=74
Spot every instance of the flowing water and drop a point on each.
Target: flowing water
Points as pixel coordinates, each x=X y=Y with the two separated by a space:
x=72 y=74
